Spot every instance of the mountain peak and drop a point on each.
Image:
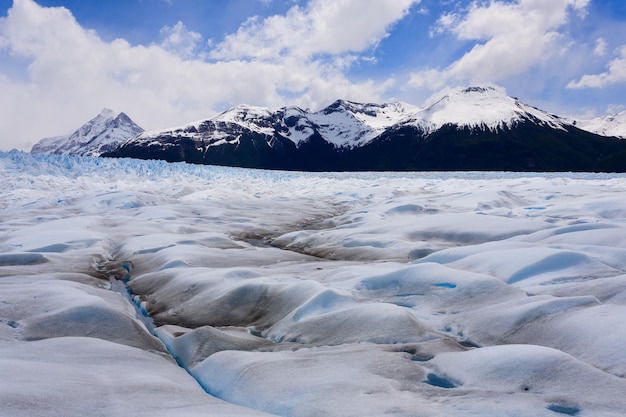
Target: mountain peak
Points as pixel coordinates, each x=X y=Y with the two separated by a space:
x=371 y=110
x=342 y=104
x=476 y=89
x=103 y=133
x=481 y=108
x=106 y=113
x=348 y=124
x=243 y=111
x=477 y=93
x=466 y=128
x=610 y=125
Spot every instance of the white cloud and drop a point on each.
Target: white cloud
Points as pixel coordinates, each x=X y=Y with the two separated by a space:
x=446 y=22
x=72 y=73
x=321 y=27
x=600 y=49
x=510 y=38
x=615 y=74
x=615 y=108
x=181 y=41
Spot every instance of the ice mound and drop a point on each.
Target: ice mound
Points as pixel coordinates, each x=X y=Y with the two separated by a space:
x=191 y=347
x=546 y=374
x=74 y=376
x=373 y=322
x=58 y=308
x=199 y=297
x=12 y=259
x=365 y=380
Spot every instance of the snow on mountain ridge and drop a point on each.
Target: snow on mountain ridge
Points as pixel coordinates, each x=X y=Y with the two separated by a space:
x=46 y=145
x=256 y=118
x=347 y=123
x=343 y=123
x=103 y=133
x=480 y=107
x=94 y=126
x=226 y=127
x=611 y=125
x=351 y=124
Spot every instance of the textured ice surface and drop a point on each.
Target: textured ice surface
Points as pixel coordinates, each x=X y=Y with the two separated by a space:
x=294 y=294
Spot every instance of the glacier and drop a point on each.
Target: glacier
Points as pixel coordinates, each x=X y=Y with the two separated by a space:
x=308 y=294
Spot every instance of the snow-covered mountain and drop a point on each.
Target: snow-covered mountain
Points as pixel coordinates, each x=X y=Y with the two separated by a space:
x=476 y=128
x=346 y=124
x=480 y=108
x=342 y=124
x=349 y=124
x=103 y=133
x=611 y=125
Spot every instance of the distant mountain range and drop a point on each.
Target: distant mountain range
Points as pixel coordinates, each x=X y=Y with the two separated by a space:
x=104 y=133
x=467 y=129
x=612 y=125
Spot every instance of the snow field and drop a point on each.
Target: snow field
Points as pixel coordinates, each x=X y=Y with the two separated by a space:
x=416 y=294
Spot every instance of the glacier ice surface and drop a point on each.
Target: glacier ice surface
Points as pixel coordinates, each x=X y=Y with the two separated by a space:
x=309 y=294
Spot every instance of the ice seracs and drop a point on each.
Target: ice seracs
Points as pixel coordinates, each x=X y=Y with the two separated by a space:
x=104 y=133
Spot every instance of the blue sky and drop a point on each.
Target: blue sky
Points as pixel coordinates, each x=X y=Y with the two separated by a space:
x=169 y=62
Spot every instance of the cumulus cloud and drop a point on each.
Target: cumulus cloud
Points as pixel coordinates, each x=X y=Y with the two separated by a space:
x=181 y=41
x=600 y=49
x=71 y=73
x=615 y=74
x=321 y=27
x=509 y=37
